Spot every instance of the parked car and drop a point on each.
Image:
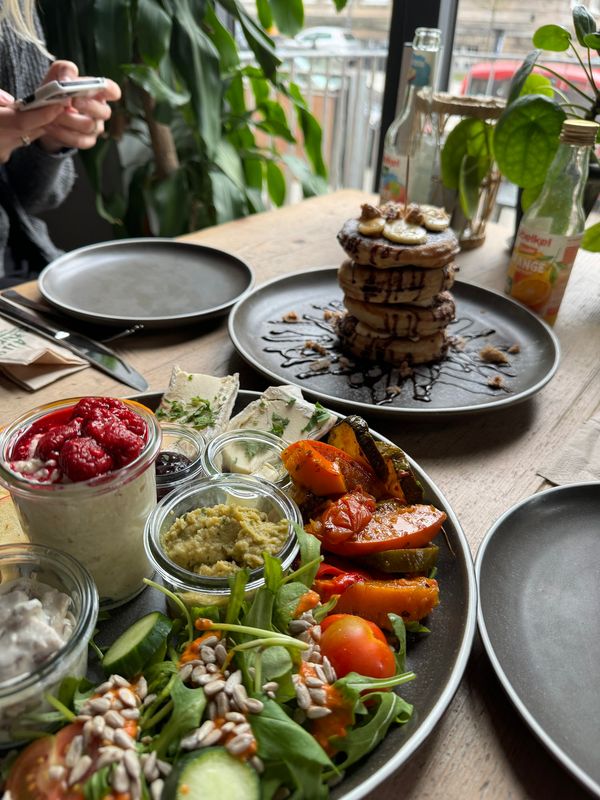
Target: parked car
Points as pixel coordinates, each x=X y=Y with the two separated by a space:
x=494 y=77
x=330 y=38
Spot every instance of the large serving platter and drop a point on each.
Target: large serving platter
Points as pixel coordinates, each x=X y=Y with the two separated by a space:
x=460 y=384
x=438 y=659
x=538 y=598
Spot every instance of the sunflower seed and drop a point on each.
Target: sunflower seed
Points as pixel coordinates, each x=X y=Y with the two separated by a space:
x=74 y=752
x=315 y=657
x=303 y=696
x=319 y=696
x=99 y=705
x=56 y=772
x=212 y=710
x=156 y=788
x=212 y=738
x=185 y=672
x=233 y=680
x=201 y=678
x=113 y=718
x=315 y=632
x=298 y=626
x=254 y=706
x=222 y=704
x=98 y=724
x=88 y=731
x=235 y=716
x=205 y=729
x=257 y=763
x=197 y=670
x=212 y=668
x=215 y=686
x=117 y=704
x=220 y=653
x=316 y=712
x=108 y=755
x=306 y=654
x=320 y=673
x=240 y=695
x=104 y=687
x=149 y=767
x=305 y=637
x=309 y=616
x=135 y=789
x=132 y=763
x=131 y=713
x=119 y=780
x=239 y=744
x=270 y=686
x=271 y=695
x=150 y=698
x=142 y=688
x=108 y=734
x=79 y=770
x=83 y=718
x=190 y=742
x=123 y=739
x=163 y=767
x=119 y=680
x=128 y=698
x=210 y=641
x=227 y=727
x=244 y=727
x=207 y=654
x=328 y=670
x=314 y=683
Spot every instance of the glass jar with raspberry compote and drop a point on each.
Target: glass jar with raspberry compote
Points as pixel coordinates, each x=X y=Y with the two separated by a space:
x=81 y=475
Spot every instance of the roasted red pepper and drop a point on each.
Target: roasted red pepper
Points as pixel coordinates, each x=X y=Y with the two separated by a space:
x=331 y=580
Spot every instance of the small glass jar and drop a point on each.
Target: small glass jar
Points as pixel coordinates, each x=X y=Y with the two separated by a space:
x=99 y=521
x=240 y=490
x=24 y=694
x=173 y=471
x=247 y=452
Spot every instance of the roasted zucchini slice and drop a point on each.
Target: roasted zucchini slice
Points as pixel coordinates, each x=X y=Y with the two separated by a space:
x=352 y=435
x=400 y=480
x=408 y=559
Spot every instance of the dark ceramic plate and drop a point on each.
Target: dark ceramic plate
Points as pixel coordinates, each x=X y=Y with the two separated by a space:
x=539 y=596
x=439 y=659
x=459 y=384
x=159 y=282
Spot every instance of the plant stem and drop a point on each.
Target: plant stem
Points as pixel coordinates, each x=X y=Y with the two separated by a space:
x=583 y=66
x=272 y=642
x=178 y=602
x=60 y=707
x=258 y=673
x=572 y=85
x=163 y=144
x=160 y=714
x=293 y=576
x=282 y=638
x=589 y=55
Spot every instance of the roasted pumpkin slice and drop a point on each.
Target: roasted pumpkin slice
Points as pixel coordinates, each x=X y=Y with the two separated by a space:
x=400 y=480
x=352 y=435
x=323 y=469
x=410 y=598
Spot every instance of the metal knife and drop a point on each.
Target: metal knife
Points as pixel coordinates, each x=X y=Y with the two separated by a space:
x=95 y=353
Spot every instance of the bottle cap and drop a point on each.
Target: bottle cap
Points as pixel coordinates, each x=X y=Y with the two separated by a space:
x=579 y=131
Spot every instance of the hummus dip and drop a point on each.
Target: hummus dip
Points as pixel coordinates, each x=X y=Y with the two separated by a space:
x=216 y=541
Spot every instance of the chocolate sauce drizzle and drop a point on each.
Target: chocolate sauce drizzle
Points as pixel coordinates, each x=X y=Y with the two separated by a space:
x=310 y=348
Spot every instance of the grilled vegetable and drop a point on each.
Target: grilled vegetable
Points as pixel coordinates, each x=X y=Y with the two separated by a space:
x=417 y=559
x=410 y=598
x=324 y=470
x=352 y=435
x=400 y=480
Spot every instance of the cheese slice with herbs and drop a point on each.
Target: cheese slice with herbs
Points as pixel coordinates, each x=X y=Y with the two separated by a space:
x=282 y=410
x=202 y=402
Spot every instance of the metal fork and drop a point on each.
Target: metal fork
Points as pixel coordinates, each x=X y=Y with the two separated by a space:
x=40 y=308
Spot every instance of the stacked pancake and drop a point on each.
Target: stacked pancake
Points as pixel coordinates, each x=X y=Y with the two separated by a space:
x=396 y=283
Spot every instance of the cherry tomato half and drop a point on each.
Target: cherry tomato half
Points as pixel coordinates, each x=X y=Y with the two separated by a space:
x=29 y=777
x=354 y=644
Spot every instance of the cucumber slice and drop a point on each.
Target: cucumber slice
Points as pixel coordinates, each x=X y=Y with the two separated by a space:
x=133 y=649
x=212 y=774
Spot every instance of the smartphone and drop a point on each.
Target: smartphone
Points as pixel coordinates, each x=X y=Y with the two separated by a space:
x=58 y=91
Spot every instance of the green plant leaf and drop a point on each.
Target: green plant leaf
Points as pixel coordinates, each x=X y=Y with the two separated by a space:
x=229 y=203
x=229 y=161
x=340 y=4
x=552 y=37
x=310 y=129
x=529 y=195
x=147 y=78
x=592 y=40
x=583 y=23
x=222 y=40
x=170 y=200
x=275 y=183
x=591 y=238
x=526 y=138
x=288 y=15
x=265 y=15
x=472 y=137
x=112 y=36
x=259 y=42
x=153 y=31
x=521 y=75
x=312 y=184
x=468 y=185
x=537 y=84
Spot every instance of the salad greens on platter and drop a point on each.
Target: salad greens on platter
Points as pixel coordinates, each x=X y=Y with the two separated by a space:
x=240 y=700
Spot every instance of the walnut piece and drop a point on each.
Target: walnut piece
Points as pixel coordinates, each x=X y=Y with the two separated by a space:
x=492 y=355
x=309 y=344
x=413 y=215
x=391 y=210
x=514 y=348
x=496 y=382
x=291 y=316
x=367 y=212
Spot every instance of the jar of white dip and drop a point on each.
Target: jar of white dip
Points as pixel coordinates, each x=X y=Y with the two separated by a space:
x=99 y=521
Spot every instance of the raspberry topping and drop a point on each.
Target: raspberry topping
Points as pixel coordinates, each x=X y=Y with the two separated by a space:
x=82 y=458
x=97 y=435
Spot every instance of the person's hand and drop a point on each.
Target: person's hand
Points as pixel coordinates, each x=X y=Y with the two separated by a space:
x=20 y=128
x=82 y=121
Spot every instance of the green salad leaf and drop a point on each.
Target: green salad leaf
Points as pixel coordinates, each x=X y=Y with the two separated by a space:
x=187 y=710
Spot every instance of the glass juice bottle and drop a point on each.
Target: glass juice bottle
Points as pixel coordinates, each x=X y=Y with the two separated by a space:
x=552 y=227
x=398 y=143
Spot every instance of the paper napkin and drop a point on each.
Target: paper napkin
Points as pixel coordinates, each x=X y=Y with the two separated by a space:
x=32 y=361
x=579 y=460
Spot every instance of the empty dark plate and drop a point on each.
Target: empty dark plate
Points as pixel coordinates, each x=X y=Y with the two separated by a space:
x=461 y=383
x=438 y=659
x=159 y=282
x=539 y=594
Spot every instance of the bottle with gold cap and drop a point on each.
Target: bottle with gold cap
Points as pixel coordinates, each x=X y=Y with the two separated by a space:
x=552 y=228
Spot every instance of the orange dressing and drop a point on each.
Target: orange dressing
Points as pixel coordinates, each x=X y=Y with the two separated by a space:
x=306 y=602
x=334 y=724
x=192 y=651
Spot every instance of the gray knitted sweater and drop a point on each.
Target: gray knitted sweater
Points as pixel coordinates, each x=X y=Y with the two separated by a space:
x=32 y=180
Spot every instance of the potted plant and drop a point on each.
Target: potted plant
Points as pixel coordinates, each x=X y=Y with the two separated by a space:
x=194 y=140
x=527 y=133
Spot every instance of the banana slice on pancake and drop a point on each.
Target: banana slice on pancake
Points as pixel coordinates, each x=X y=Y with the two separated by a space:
x=404 y=232
x=434 y=218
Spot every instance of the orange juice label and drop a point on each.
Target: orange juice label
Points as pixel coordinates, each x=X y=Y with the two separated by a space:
x=539 y=269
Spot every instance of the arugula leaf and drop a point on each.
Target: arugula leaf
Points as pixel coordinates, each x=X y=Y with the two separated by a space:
x=188 y=707
x=399 y=629
x=310 y=549
x=260 y=613
x=321 y=611
x=416 y=627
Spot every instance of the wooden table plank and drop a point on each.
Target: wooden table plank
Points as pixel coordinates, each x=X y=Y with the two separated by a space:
x=484 y=463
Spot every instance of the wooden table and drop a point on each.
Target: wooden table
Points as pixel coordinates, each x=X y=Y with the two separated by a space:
x=483 y=464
